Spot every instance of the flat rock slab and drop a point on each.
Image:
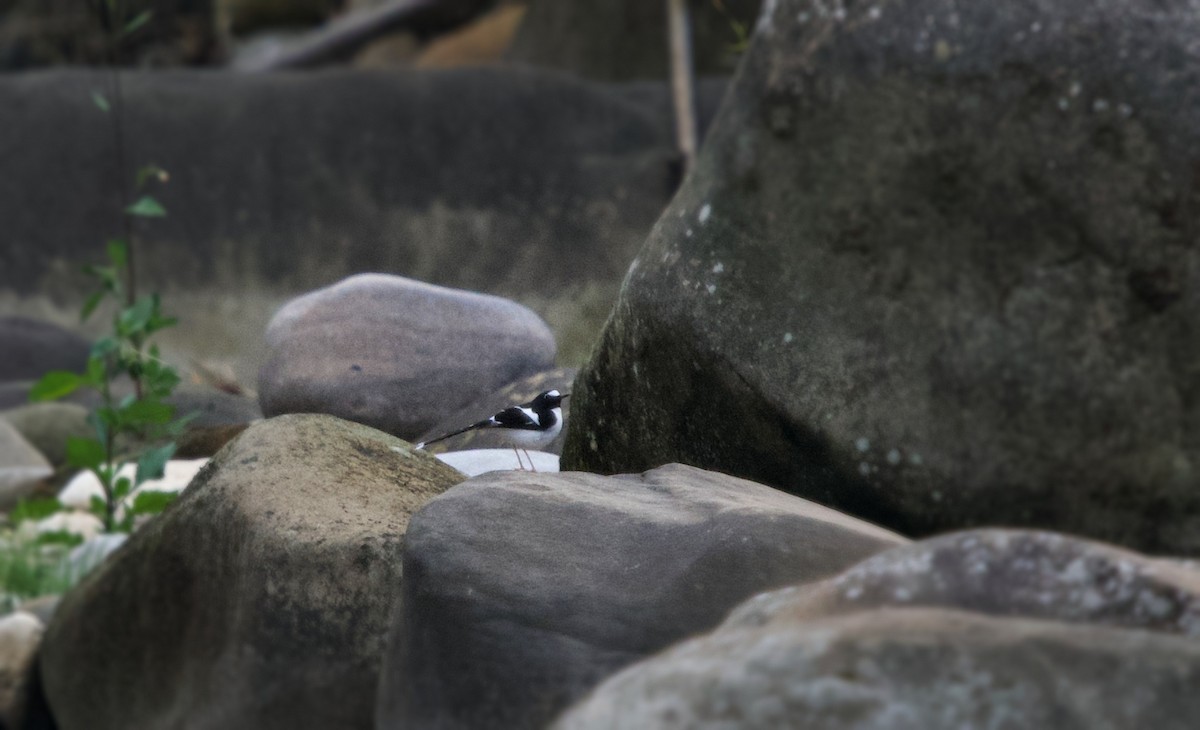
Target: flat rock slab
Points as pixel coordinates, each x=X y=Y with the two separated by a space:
x=522 y=591
x=395 y=353
x=474 y=462
x=259 y=599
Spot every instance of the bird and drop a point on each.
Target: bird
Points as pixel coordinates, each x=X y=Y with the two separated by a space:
x=532 y=425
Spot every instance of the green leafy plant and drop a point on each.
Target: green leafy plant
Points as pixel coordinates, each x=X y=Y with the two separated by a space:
x=141 y=416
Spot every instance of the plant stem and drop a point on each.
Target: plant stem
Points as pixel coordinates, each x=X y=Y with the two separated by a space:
x=113 y=25
x=107 y=484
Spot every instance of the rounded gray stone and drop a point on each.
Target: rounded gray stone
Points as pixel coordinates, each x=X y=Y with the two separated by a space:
x=395 y=353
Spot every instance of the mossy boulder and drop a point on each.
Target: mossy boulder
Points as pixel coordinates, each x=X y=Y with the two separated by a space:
x=259 y=599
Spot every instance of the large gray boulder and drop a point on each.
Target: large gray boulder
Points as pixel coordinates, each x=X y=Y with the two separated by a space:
x=395 y=353
x=906 y=669
x=523 y=591
x=978 y=629
x=259 y=599
x=934 y=268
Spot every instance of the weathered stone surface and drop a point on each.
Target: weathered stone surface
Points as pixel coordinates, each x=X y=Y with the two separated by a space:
x=905 y=669
x=259 y=599
x=522 y=391
x=1039 y=628
x=47 y=426
x=936 y=268
x=20 y=634
x=1039 y=575
x=22 y=467
x=396 y=354
x=30 y=348
x=627 y=39
x=522 y=591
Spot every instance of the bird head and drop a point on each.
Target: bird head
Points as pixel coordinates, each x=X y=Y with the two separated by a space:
x=549 y=399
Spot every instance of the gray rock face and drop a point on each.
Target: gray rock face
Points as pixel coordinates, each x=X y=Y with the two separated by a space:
x=259 y=599
x=31 y=348
x=934 y=268
x=1038 y=575
x=991 y=628
x=22 y=467
x=905 y=669
x=522 y=391
x=396 y=354
x=523 y=591
x=47 y=426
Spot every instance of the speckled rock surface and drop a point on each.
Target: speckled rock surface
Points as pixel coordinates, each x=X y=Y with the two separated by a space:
x=935 y=267
x=989 y=628
x=20 y=634
x=1033 y=574
x=396 y=353
x=259 y=599
x=905 y=669
x=523 y=591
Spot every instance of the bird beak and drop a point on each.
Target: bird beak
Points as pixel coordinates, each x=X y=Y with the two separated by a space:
x=566 y=395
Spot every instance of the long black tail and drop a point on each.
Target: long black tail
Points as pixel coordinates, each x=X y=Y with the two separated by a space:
x=480 y=424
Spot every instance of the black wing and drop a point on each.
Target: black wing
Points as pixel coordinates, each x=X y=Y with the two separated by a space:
x=517 y=417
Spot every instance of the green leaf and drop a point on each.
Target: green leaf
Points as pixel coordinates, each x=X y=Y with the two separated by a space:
x=85 y=453
x=179 y=425
x=147 y=207
x=118 y=252
x=97 y=370
x=147 y=411
x=152 y=463
x=138 y=21
x=34 y=509
x=122 y=489
x=100 y=102
x=97 y=506
x=55 y=384
x=90 y=305
x=104 y=347
x=59 y=537
x=150 y=502
x=133 y=319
